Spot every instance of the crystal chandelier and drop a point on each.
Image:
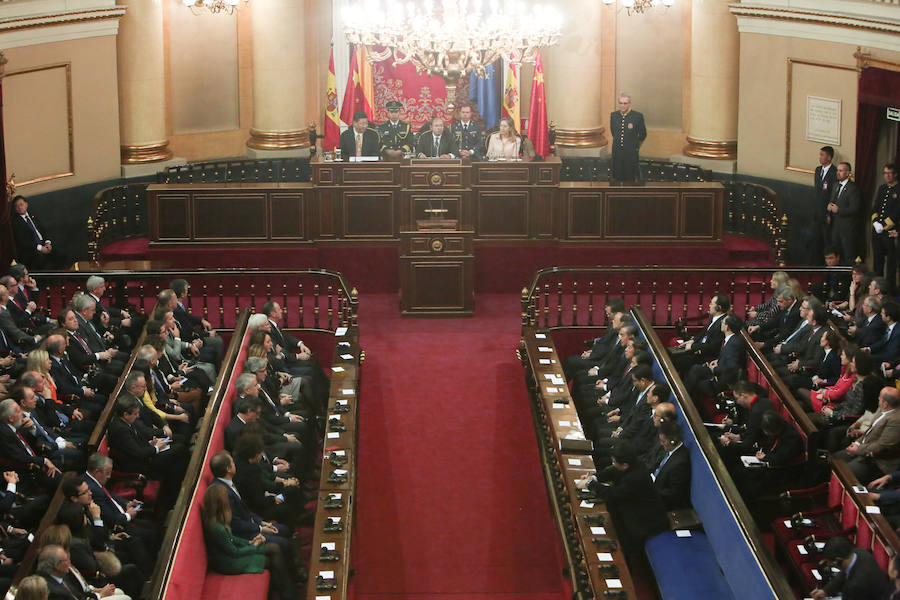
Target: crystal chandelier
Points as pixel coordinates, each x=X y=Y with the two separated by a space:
x=639 y=6
x=453 y=38
x=214 y=6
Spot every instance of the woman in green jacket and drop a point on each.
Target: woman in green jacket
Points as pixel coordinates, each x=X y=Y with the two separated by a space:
x=231 y=555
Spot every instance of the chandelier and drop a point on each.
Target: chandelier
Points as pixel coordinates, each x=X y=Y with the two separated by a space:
x=214 y=6
x=639 y=6
x=453 y=38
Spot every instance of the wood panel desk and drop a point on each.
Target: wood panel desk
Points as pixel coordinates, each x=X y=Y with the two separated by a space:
x=372 y=202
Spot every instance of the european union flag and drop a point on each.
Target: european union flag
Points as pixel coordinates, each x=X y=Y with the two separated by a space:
x=484 y=91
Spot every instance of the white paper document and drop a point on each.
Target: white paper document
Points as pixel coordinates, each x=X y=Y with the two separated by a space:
x=598 y=530
x=613 y=583
x=337 y=369
x=683 y=533
x=326 y=574
x=565 y=423
x=575 y=462
x=328 y=545
x=751 y=461
x=348 y=391
x=586 y=504
x=605 y=556
x=332 y=435
x=340 y=331
x=544 y=361
x=346 y=357
x=541 y=336
x=545 y=349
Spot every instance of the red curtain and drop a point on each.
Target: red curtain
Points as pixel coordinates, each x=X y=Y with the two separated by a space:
x=878 y=89
x=423 y=96
x=7 y=245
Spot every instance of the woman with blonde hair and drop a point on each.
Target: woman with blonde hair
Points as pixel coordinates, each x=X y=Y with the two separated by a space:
x=763 y=312
x=506 y=144
x=39 y=361
x=229 y=554
x=33 y=587
x=61 y=535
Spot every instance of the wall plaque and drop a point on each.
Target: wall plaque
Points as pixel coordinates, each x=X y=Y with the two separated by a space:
x=823 y=120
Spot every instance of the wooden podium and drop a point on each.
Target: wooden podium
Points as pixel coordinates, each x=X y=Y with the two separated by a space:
x=437 y=276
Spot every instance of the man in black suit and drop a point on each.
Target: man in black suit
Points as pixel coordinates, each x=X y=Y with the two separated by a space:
x=33 y=247
x=706 y=344
x=629 y=132
x=601 y=346
x=358 y=140
x=844 y=207
x=111 y=318
x=773 y=331
x=138 y=450
x=872 y=328
x=68 y=378
x=437 y=143
x=823 y=184
x=710 y=378
x=886 y=350
x=805 y=350
x=16 y=449
x=116 y=511
x=826 y=371
x=469 y=134
x=248 y=409
x=672 y=474
x=54 y=566
x=753 y=407
x=860 y=577
x=296 y=355
x=104 y=374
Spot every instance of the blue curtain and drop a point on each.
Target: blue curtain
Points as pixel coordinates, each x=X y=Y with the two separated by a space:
x=486 y=92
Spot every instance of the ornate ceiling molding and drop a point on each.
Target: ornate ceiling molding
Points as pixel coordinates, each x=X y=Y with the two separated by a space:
x=26 y=29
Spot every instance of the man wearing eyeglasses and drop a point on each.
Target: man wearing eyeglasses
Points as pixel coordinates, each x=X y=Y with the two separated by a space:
x=629 y=132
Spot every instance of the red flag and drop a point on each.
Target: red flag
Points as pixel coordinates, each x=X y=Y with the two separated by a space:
x=538 y=129
x=332 y=124
x=354 y=95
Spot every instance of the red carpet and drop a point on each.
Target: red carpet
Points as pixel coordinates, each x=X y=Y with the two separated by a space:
x=451 y=501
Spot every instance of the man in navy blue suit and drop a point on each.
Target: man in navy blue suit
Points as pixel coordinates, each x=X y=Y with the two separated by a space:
x=716 y=375
x=886 y=350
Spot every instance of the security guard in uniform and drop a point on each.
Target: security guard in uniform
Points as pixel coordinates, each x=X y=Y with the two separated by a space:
x=885 y=217
x=628 y=130
x=396 y=134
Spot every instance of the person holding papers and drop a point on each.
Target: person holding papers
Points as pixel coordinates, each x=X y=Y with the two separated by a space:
x=359 y=141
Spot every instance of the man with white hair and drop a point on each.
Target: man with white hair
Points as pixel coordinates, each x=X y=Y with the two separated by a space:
x=629 y=132
x=118 y=321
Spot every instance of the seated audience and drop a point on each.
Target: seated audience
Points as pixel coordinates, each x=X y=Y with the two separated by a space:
x=33 y=587
x=859 y=577
x=672 y=474
x=710 y=378
x=875 y=452
x=765 y=311
x=704 y=346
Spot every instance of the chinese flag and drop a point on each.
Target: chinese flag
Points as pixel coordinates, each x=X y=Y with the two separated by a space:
x=332 y=120
x=511 y=95
x=354 y=96
x=538 y=130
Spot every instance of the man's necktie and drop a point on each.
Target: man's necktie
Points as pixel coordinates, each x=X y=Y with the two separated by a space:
x=661 y=463
x=34 y=230
x=359 y=144
x=24 y=443
x=437 y=142
x=81 y=341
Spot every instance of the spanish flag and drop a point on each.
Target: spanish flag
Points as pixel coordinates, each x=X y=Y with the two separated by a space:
x=332 y=120
x=538 y=129
x=511 y=95
x=366 y=80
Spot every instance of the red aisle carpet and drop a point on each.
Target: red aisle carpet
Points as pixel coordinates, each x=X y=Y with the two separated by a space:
x=451 y=501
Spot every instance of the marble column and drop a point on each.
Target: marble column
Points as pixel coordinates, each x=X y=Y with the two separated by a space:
x=715 y=45
x=142 y=85
x=572 y=72
x=279 y=76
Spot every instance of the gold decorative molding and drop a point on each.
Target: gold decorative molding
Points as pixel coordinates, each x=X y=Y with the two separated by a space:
x=581 y=138
x=787 y=109
x=67 y=67
x=278 y=140
x=864 y=60
x=714 y=149
x=145 y=153
x=815 y=17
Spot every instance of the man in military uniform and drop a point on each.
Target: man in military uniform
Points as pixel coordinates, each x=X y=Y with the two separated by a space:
x=628 y=131
x=885 y=216
x=396 y=135
x=469 y=135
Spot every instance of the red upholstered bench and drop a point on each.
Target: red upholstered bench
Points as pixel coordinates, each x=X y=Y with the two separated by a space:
x=235 y=587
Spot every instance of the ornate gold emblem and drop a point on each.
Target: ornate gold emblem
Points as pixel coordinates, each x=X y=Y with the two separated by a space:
x=436 y=179
x=437 y=245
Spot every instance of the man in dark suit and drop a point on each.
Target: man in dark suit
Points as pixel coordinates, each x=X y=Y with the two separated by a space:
x=116 y=511
x=469 y=134
x=872 y=328
x=33 y=247
x=296 y=355
x=437 y=143
x=104 y=374
x=629 y=132
x=826 y=371
x=599 y=349
x=16 y=449
x=844 y=208
x=804 y=351
x=753 y=407
x=54 y=566
x=11 y=330
x=672 y=474
x=860 y=577
x=823 y=184
x=138 y=450
x=193 y=327
x=706 y=344
x=68 y=378
x=244 y=523
x=776 y=330
x=714 y=376
x=887 y=348
x=358 y=140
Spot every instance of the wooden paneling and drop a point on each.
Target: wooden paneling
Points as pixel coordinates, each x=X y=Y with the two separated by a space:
x=229 y=216
x=368 y=214
x=172 y=217
x=502 y=214
x=437 y=273
x=640 y=215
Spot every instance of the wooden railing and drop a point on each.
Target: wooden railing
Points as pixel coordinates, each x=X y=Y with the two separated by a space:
x=754 y=210
x=312 y=299
x=119 y=213
x=749 y=531
x=565 y=458
x=574 y=297
x=597 y=169
x=268 y=170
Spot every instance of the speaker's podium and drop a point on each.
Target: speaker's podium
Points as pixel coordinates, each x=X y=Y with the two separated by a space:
x=436 y=260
